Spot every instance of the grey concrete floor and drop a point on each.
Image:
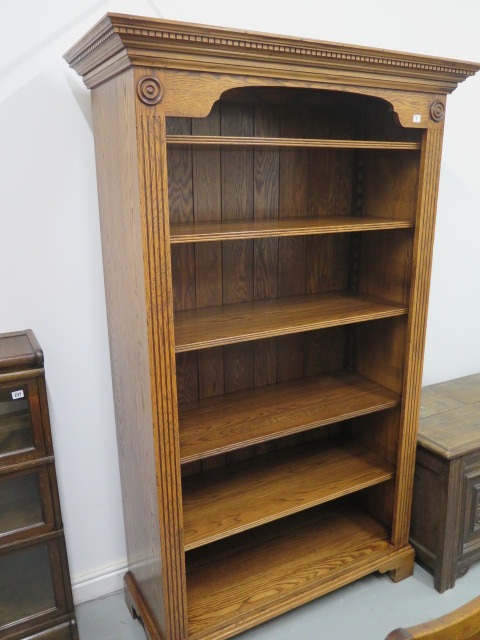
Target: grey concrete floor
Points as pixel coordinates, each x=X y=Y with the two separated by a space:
x=366 y=610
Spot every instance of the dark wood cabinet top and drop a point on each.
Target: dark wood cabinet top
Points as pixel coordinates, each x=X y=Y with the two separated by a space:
x=450 y=417
x=20 y=350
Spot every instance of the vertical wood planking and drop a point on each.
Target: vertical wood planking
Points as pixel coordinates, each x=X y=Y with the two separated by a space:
x=237 y=202
x=327 y=262
x=265 y=274
x=180 y=200
x=187 y=378
x=183 y=276
x=323 y=182
x=237 y=118
x=207 y=197
x=208 y=256
x=265 y=362
x=211 y=374
x=179 y=163
x=238 y=366
x=329 y=194
x=292 y=251
x=266 y=186
x=330 y=170
x=293 y=203
x=324 y=351
x=266 y=202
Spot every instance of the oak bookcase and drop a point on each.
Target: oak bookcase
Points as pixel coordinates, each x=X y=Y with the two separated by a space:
x=267 y=213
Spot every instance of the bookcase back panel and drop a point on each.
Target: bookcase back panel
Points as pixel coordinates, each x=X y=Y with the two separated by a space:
x=212 y=372
x=245 y=270
x=256 y=183
x=231 y=183
x=326 y=434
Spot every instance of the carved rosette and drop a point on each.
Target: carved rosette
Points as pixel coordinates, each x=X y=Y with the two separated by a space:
x=149 y=90
x=437 y=111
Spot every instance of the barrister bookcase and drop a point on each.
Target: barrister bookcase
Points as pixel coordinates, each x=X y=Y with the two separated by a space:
x=35 y=592
x=267 y=214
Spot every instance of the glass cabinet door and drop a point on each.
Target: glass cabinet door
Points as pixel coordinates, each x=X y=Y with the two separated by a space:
x=20 y=420
x=25 y=504
x=29 y=585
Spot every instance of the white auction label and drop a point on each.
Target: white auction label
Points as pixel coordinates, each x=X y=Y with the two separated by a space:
x=16 y=395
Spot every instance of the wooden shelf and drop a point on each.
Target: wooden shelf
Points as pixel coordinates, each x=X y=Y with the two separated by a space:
x=247 y=494
x=235 y=420
x=233 y=323
x=279 y=227
x=232 y=583
x=250 y=141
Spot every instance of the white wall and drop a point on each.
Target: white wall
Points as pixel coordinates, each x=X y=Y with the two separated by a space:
x=50 y=255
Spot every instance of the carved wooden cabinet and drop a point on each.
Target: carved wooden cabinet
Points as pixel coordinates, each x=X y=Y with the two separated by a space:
x=267 y=213
x=35 y=592
x=445 y=528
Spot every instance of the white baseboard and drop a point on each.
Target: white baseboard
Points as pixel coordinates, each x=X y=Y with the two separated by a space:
x=98 y=583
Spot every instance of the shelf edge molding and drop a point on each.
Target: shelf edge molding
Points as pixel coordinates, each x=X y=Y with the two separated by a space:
x=228 y=422
x=257 y=141
x=254 y=320
x=280 y=227
x=248 y=494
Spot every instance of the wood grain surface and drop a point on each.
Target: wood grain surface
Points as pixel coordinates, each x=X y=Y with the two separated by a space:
x=128 y=217
x=250 y=141
x=276 y=227
x=429 y=175
x=231 y=581
x=203 y=328
x=239 y=419
x=251 y=493
x=299 y=179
